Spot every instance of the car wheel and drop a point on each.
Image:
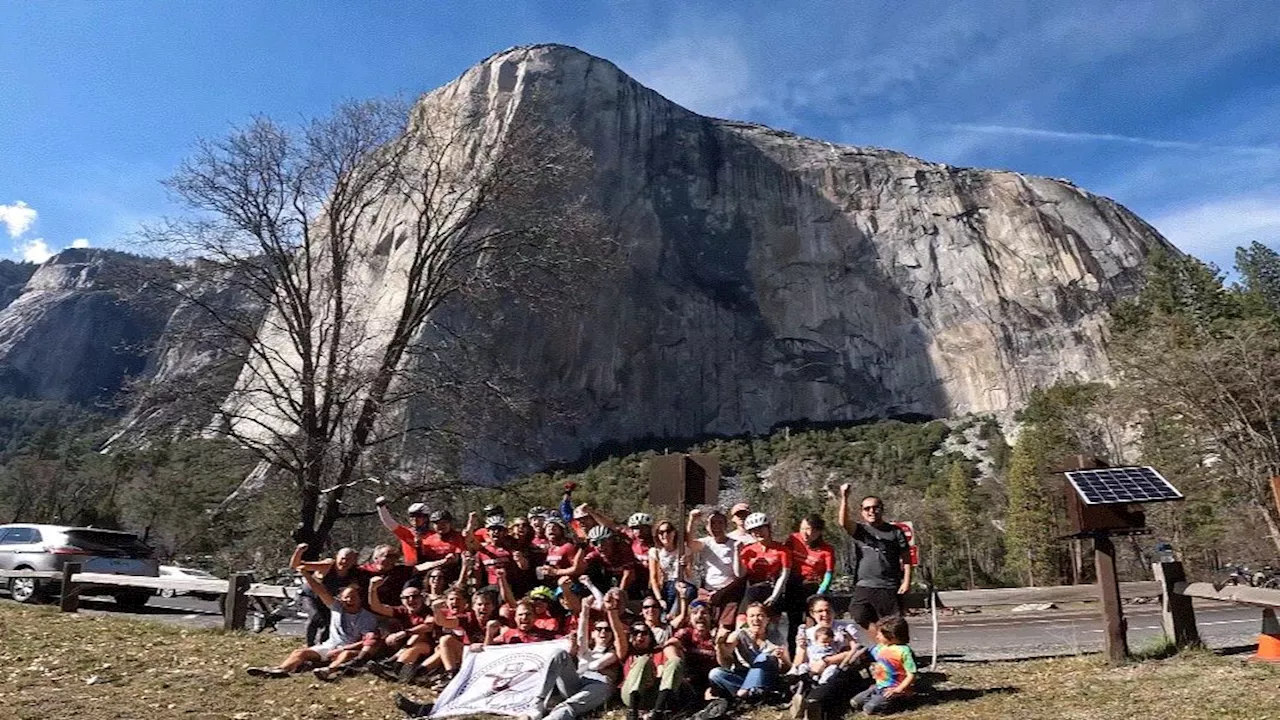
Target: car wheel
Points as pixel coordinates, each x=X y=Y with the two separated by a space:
x=25 y=590
x=168 y=593
x=132 y=600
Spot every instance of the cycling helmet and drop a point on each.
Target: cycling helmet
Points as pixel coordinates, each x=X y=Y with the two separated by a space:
x=536 y=511
x=418 y=509
x=755 y=520
x=555 y=520
x=494 y=522
x=542 y=593
x=639 y=519
x=441 y=516
x=599 y=534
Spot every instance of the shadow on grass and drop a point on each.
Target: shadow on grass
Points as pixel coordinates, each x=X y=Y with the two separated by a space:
x=943 y=696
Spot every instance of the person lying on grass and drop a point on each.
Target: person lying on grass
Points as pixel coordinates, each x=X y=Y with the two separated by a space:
x=353 y=636
x=893 y=668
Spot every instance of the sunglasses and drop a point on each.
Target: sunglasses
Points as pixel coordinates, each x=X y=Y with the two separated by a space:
x=411 y=596
x=648 y=607
x=639 y=631
x=602 y=628
x=869 y=508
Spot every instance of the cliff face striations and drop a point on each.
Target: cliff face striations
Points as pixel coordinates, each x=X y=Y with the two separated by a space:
x=768 y=278
x=772 y=278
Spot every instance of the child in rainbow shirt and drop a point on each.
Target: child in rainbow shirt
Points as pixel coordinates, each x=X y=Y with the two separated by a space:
x=893 y=667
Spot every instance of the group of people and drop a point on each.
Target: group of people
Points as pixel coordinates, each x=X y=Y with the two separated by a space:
x=663 y=616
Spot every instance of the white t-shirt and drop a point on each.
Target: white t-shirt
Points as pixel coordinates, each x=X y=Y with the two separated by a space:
x=717 y=561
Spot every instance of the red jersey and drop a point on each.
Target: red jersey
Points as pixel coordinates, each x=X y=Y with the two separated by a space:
x=411 y=544
x=699 y=650
x=438 y=547
x=396 y=577
x=561 y=556
x=763 y=562
x=512 y=636
x=550 y=623
x=810 y=564
x=639 y=547
x=493 y=558
x=470 y=630
x=406 y=619
x=613 y=557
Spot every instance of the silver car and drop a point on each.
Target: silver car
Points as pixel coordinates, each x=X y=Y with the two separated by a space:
x=25 y=546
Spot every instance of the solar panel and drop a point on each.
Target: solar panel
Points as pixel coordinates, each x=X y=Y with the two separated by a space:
x=1113 y=486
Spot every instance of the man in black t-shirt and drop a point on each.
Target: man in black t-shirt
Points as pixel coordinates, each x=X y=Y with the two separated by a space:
x=883 y=561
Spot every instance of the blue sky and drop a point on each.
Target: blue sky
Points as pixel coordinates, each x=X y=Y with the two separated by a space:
x=1171 y=108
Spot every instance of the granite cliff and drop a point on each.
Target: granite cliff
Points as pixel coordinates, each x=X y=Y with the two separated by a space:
x=769 y=278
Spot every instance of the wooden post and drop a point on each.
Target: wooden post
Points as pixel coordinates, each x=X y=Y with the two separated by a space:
x=1104 y=560
x=236 y=605
x=1177 y=615
x=70 y=600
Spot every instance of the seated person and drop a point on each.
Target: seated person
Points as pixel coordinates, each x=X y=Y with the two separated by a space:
x=336 y=573
x=652 y=673
x=412 y=638
x=696 y=635
x=750 y=661
x=587 y=675
x=893 y=667
x=822 y=648
x=524 y=630
x=353 y=636
x=386 y=563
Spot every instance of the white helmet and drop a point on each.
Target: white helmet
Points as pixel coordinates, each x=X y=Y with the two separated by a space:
x=494 y=522
x=639 y=519
x=418 y=509
x=755 y=520
x=599 y=534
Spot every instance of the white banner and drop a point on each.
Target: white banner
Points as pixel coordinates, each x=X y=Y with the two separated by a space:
x=499 y=680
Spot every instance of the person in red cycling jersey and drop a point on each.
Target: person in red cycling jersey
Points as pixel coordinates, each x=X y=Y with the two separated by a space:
x=524 y=631
x=609 y=559
x=410 y=536
x=766 y=563
x=562 y=554
x=813 y=564
x=442 y=548
x=499 y=552
x=386 y=563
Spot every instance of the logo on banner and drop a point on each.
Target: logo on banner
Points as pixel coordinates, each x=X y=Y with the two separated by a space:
x=506 y=680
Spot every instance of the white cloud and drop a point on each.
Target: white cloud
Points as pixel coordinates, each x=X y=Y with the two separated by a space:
x=80 y=243
x=1212 y=230
x=709 y=75
x=35 y=251
x=1111 y=137
x=17 y=218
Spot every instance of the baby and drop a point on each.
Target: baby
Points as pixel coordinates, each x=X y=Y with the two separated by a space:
x=822 y=647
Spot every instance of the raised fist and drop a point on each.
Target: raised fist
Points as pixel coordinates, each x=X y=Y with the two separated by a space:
x=377 y=581
x=570 y=487
x=844 y=490
x=380 y=501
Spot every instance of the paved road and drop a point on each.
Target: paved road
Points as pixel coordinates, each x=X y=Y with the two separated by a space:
x=967 y=637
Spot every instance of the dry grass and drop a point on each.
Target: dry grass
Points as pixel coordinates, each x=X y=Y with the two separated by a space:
x=89 y=667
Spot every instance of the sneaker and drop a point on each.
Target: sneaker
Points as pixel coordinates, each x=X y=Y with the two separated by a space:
x=407 y=672
x=714 y=710
x=412 y=708
x=267 y=672
x=386 y=670
x=633 y=714
x=328 y=674
x=796 y=709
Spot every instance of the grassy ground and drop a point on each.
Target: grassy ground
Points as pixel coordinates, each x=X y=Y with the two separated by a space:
x=88 y=667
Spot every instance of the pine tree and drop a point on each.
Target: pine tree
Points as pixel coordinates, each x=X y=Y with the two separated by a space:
x=964 y=516
x=1029 y=522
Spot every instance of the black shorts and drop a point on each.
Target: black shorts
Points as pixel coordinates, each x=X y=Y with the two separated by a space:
x=871 y=604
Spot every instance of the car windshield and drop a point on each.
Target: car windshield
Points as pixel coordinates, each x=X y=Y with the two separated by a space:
x=108 y=543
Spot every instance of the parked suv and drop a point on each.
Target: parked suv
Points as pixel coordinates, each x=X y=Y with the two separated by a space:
x=48 y=547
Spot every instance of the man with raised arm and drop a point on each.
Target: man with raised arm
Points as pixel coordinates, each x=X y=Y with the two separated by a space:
x=883 y=561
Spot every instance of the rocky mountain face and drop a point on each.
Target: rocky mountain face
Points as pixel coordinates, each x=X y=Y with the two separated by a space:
x=769 y=279
x=777 y=279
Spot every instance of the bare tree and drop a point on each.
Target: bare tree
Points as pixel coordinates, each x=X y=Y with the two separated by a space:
x=347 y=241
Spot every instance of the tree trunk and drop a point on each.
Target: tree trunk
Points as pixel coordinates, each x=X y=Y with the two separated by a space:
x=968 y=553
x=1273 y=527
